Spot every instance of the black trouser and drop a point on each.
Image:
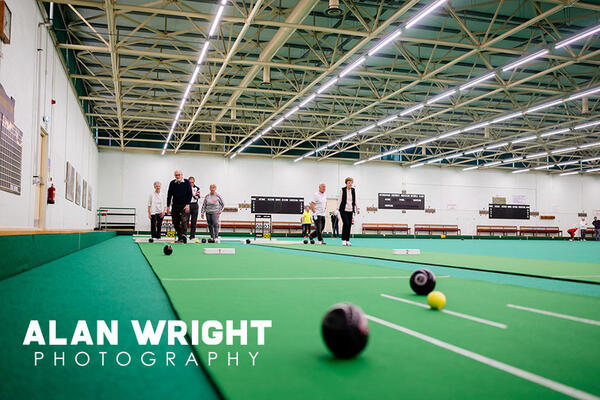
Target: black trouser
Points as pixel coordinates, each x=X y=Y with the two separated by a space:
x=335 y=228
x=179 y=217
x=597 y=234
x=212 y=219
x=155 y=225
x=319 y=226
x=347 y=224
x=582 y=231
x=193 y=219
x=305 y=229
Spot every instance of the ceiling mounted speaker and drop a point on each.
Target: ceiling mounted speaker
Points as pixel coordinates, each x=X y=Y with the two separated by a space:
x=266 y=76
x=334 y=9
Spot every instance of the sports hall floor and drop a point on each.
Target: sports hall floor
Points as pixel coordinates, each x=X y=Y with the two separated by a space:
x=522 y=319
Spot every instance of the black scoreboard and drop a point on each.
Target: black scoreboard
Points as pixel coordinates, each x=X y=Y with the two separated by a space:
x=399 y=201
x=509 y=211
x=277 y=205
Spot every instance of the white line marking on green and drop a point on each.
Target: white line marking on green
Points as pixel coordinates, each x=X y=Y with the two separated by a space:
x=311 y=278
x=454 y=313
x=531 y=377
x=557 y=315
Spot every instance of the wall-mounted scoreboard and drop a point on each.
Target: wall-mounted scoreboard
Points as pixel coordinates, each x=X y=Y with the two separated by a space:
x=509 y=211
x=399 y=201
x=277 y=205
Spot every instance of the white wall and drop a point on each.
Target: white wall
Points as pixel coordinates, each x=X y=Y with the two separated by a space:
x=125 y=180
x=34 y=78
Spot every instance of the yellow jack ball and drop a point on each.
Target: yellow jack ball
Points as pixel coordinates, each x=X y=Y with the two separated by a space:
x=436 y=300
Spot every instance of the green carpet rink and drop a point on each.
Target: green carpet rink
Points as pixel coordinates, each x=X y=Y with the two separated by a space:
x=491 y=340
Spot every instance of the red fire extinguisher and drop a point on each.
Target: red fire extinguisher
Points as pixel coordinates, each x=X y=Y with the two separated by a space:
x=51 y=192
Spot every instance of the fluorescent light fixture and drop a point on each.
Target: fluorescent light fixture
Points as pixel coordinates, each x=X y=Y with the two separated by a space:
x=310 y=153
x=176 y=117
x=520 y=170
x=299 y=158
x=441 y=96
x=307 y=100
x=537 y=155
x=352 y=66
x=422 y=142
x=424 y=13
x=386 y=120
x=202 y=53
x=477 y=126
x=435 y=160
x=592 y=170
x=556 y=132
x=417 y=165
x=470 y=168
x=477 y=81
x=562 y=164
x=587 y=125
x=213 y=28
x=350 y=136
x=385 y=42
x=477 y=150
x=292 y=111
x=266 y=130
x=510 y=160
x=525 y=139
x=367 y=128
x=582 y=35
x=195 y=74
x=412 y=109
x=542 y=106
x=585 y=93
x=453 y=156
x=360 y=162
x=563 y=150
x=408 y=146
x=327 y=85
x=321 y=148
x=376 y=156
x=334 y=142
x=569 y=173
x=507 y=117
x=525 y=60
x=496 y=146
x=234 y=155
x=452 y=133
x=390 y=152
x=544 y=167
x=280 y=120
x=585 y=146
x=491 y=164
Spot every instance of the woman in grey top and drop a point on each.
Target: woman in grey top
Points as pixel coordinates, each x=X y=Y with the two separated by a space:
x=213 y=206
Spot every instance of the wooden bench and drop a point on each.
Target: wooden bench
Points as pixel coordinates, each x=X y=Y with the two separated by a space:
x=541 y=230
x=235 y=226
x=444 y=229
x=504 y=230
x=296 y=226
x=393 y=228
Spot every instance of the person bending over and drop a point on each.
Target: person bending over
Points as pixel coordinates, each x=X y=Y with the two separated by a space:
x=193 y=215
x=318 y=206
x=213 y=206
x=306 y=221
x=179 y=196
x=157 y=208
x=571 y=233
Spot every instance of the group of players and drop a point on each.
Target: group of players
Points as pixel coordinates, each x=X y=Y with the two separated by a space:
x=183 y=198
x=182 y=202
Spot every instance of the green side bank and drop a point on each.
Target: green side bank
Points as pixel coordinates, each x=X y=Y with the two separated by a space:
x=23 y=252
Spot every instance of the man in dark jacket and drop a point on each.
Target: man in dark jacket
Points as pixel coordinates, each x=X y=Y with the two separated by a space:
x=179 y=196
x=335 y=230
x=596 y=224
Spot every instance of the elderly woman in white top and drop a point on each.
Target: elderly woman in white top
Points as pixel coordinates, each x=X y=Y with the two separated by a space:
x=347 y=208
x=157 y=207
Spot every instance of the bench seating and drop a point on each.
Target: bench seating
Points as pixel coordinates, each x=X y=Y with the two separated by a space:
x=444 y=229
x=539 y=230
x=295 y=226
x=393 y=228
x=501 y=229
